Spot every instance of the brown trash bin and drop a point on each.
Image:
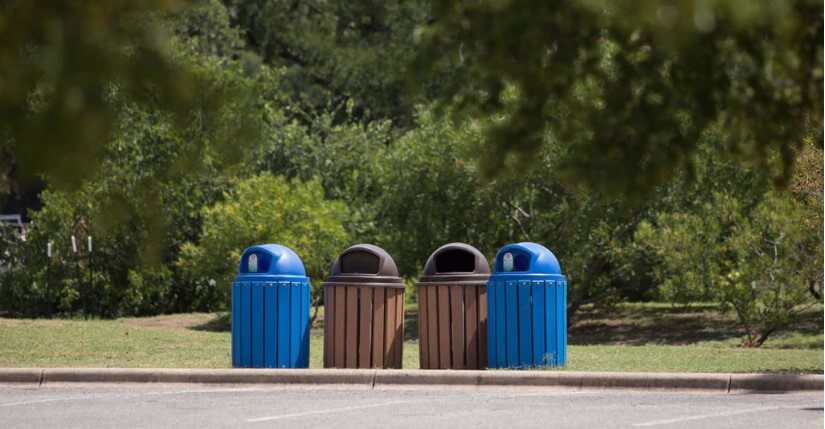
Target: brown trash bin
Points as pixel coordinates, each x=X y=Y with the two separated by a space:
x=452 y=309
x=364 y=310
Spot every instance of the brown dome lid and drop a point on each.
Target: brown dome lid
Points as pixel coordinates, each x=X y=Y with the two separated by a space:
x=456 y=262
x=365 y=265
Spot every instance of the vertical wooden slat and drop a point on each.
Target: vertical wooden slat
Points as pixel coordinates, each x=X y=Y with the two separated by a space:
x=351 y=346
x=423 y=337
x=432 y=324
x=482 y=327
x=443 y=327
x=389 y=339
x=365 y=328
x=340 y=323
x=457 y=326
x=329 y=326
x=399 y=328
x=471 y=330
x=378 y=328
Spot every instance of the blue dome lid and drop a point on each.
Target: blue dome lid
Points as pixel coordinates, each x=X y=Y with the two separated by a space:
x=272 y=259
x=526 y=258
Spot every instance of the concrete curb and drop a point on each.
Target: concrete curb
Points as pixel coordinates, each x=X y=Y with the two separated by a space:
x=376 y=379
x=21 y=376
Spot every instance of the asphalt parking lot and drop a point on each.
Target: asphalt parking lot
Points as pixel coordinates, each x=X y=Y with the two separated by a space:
x=183 y=406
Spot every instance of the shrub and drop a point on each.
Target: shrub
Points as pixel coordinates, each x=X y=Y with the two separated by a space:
x=753 y=260
x=263 y=209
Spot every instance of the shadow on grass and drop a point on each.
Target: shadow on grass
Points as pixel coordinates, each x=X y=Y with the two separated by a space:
x=221 y=323
x=669 y=325
x=410 y=325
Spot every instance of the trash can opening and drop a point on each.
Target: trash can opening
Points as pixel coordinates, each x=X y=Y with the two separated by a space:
x=455 y=261
x=256 y=262
x=359 y=262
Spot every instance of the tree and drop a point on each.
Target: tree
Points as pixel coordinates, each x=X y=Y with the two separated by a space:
x=60 y=64
x=264 y=209
x=336 y=51
x=629 y=87
x=753 y=260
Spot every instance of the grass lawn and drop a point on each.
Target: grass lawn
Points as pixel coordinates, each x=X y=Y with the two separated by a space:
x=631 y=338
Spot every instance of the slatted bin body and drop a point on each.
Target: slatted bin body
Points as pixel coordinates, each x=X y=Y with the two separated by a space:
x=527 y=309
x=363 y=311
x=452 y=309
x=270 y=310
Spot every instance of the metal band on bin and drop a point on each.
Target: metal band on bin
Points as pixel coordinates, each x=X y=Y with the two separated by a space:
x=479 y=273
x=385 y=275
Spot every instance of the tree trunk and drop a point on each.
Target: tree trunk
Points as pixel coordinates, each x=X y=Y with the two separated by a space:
x=315 y=306
x=763 y=336
x=584 y=296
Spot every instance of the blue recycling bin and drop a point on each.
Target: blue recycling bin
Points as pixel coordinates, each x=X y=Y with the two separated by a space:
x=526 y=308
x=270 y=309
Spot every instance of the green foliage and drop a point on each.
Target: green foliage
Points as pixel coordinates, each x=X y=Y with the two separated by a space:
x=264 y=209
x=807 y=189
x=60 y=64
x=433 y=172
x=342 y=157
x=629 y=87
x=751 y=259
x=335 y=51
x=430 y=196
x=204 y=26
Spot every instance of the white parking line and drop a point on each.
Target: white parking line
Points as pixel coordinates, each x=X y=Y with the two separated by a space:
x=723 y=414
x=312 y=413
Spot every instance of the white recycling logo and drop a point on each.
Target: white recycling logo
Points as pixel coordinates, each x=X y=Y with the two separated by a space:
x=253 y=263
x=507 y=262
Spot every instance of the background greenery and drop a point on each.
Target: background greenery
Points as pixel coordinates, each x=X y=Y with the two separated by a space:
x=662 y=151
